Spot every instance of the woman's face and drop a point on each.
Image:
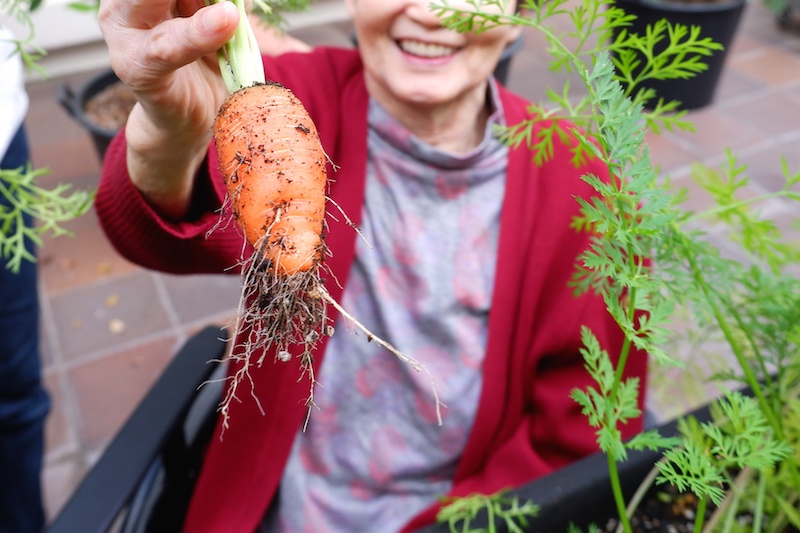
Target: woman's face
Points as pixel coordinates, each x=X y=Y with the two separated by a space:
x=410 y=59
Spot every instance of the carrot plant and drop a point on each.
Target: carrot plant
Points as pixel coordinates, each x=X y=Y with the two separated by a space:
x=751 y=302
x=48 y=207
x=459 y=513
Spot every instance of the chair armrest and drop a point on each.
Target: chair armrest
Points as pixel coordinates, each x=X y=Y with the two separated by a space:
x=109 y=485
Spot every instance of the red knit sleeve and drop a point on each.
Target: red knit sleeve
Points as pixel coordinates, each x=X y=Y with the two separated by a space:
x=205 y=243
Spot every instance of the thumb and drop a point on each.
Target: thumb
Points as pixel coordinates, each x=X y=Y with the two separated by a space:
x=215 y=23
x=184 y=40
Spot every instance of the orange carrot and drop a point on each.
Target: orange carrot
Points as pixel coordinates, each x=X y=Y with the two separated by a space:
x=274 y=168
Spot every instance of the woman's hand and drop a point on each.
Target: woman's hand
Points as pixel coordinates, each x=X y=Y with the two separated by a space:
x=164 y=51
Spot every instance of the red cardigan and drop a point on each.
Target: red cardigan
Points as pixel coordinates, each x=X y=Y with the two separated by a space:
x=526 y=424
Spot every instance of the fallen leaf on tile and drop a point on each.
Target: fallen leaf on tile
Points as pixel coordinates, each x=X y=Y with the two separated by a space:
x=112 y=300
x=116 y=326
x=103 y=268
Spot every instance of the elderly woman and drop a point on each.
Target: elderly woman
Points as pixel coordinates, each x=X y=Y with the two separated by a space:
x=467 y=267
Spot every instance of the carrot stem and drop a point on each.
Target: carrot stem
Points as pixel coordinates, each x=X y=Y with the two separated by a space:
x=240 y=59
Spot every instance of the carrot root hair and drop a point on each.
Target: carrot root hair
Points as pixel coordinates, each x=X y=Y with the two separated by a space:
x=288 y=316
x=281 y=314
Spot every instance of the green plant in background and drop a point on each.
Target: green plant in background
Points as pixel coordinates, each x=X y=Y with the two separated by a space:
x=21 y=10
x=750 y=298
x=90 y=6
x=273 y=12
x=777 y=6
x=459 y=513
x=49 y=207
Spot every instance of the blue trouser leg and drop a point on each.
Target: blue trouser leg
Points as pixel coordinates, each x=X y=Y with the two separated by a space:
x=24 y=403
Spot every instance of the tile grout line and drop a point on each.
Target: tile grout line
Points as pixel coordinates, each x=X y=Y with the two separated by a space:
x=169 y=307
x=59 y=369
x=73 y=453
x=179 y=333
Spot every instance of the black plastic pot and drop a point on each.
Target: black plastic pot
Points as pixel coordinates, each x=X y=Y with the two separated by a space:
x=75 y=104
x=717 y=20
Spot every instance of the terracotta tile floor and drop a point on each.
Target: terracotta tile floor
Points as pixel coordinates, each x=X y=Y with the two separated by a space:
x=109 y=327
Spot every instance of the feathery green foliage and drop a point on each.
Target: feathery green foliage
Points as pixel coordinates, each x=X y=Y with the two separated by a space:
x=460 y=513
x=273 y=12
x=48 y=207
x=21 y=10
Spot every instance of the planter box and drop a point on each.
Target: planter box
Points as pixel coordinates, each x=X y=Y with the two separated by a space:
x=581 y=492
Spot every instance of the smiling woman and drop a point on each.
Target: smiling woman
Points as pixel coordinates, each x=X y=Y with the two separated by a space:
x=466 y=242
x=433 y=79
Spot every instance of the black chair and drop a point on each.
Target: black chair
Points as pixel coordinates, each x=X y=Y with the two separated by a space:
x=144 y=478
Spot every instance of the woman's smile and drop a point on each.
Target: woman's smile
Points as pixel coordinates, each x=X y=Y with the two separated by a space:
x=426 y=50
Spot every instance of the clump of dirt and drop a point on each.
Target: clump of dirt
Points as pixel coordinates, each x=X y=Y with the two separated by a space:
x=665 y=511
x=110 y=107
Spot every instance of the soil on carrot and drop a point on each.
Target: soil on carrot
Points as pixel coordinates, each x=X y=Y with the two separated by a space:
x=284 y=312
x=109 y=108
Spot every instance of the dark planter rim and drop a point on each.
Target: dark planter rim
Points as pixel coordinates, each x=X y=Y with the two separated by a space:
x=687 y=7
x=587 y=481
x=74 y=101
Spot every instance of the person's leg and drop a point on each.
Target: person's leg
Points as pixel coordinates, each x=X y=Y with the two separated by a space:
x=24 y=404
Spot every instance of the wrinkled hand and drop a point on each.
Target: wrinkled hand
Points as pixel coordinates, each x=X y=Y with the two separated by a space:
x=164 y=51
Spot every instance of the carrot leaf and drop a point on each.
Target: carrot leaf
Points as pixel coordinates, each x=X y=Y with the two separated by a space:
x=48 y=207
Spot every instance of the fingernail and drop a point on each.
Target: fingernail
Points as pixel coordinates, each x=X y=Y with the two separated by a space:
x=214 y=18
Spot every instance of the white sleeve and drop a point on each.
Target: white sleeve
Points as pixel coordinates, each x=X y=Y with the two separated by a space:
x=13 y=98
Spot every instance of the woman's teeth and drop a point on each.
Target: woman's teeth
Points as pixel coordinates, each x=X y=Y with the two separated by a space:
x=426 y=49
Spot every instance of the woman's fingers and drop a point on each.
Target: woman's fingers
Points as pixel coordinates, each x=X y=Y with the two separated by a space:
x=180 y=41
x=140 y=14
x=164 y=51
x=146 y=43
